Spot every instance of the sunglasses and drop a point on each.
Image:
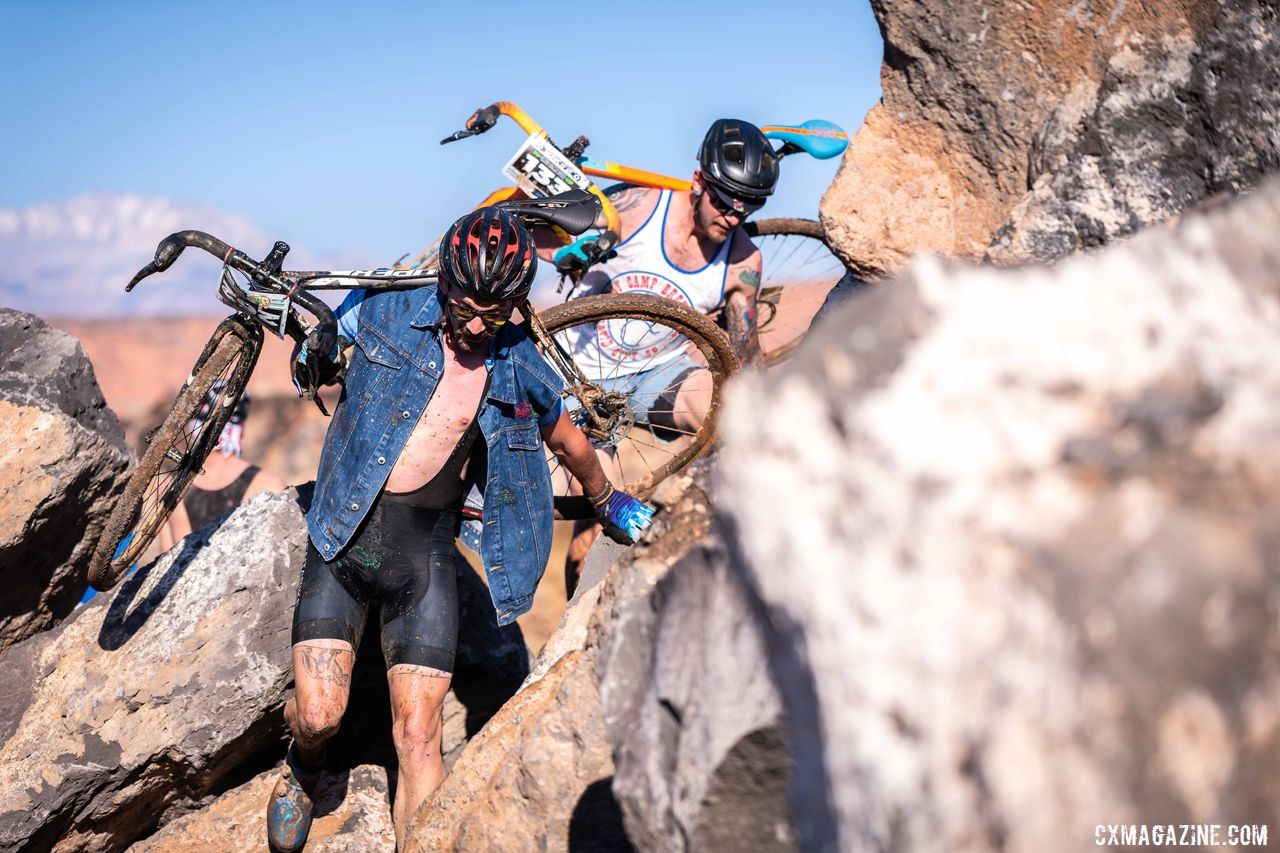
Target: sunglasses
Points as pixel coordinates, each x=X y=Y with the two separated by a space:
x=730 y=206
x=491 y=319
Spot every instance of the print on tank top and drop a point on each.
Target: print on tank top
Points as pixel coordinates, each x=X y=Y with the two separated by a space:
x=628 y=346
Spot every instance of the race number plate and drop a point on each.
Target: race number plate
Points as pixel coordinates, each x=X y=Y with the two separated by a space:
x=540 y=170
x=271 y=309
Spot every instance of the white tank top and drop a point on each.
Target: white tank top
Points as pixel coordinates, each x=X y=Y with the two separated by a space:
x=617 y=347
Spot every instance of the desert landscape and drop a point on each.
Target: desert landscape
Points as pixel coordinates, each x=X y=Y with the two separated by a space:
x=988 y=564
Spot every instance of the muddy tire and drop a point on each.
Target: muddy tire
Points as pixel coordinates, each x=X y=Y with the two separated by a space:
x=175 y=453
x=647 y=451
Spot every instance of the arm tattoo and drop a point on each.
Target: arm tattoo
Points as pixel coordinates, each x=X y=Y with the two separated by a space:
x=740 y=318
x=627 y=198
x=327 y=665
x=751 y=278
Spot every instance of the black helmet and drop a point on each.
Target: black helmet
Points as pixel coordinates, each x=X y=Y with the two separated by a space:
x=214 y=397
x=737 y=158
x=489 y=255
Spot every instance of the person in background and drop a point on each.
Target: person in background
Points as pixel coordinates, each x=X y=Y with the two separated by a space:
x=226 y=481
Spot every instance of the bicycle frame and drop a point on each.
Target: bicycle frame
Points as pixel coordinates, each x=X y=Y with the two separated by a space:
x=820 y=139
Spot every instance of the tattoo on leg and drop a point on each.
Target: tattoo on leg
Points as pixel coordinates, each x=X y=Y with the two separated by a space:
x=326 y=665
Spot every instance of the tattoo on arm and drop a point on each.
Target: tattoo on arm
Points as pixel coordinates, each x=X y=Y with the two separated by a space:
x=627 y=198
x=328 y=664
x=751 y=278
x=740 y=318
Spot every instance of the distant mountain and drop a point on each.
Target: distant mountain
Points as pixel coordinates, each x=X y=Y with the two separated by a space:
x=73 y=258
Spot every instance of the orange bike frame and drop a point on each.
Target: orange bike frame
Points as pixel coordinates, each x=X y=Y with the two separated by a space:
x=595 y=168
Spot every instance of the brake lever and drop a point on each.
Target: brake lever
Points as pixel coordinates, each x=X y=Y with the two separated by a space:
x=462 y=134
x=481 y=120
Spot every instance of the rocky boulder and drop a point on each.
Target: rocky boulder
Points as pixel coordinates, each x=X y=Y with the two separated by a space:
x=163 y=698
x=695 y=719
x=62 y=462
x=1016 y=537
x=1052 y=126
x=351 y=816
x=153 y=696
x=657 y=666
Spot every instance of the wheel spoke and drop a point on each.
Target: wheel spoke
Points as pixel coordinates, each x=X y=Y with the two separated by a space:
x=171 y=459
x=648 y=334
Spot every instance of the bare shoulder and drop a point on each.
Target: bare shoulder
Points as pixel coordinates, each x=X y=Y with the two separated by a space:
x=743 y=274
x=265 y=481
x=634 y=204
x=743 y=251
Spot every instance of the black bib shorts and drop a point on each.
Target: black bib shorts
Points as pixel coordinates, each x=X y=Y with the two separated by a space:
x=400 y=562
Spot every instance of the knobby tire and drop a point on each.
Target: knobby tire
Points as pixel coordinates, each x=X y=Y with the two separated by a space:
x=709 y=340
x=234 y=339
x=814 y=261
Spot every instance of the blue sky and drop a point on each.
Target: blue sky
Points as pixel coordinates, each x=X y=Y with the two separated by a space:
x=321 y=121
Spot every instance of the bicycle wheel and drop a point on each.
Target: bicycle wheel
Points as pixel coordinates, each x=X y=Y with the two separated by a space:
x=655 y=373
x=176 y=451
x=798 y=271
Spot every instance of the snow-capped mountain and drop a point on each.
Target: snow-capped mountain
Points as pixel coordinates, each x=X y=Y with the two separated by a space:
x=73 y=258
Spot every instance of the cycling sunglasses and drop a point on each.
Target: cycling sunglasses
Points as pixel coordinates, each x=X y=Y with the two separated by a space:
x=492 y=320
x=730 y=205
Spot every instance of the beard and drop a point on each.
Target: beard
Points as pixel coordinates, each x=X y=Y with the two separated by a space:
x=718 y=232
x=714 y=228
x=465 y=343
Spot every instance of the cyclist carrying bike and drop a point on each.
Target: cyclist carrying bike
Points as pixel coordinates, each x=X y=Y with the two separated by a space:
x=690 y=247
x=440 y=391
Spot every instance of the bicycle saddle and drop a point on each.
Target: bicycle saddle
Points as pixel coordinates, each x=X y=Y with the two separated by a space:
x=820 y=139
x=573 y=210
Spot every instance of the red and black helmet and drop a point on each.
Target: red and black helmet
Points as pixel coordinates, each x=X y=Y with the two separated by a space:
x=489 y=255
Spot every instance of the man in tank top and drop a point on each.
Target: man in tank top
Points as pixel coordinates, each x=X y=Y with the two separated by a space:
x=690 y=247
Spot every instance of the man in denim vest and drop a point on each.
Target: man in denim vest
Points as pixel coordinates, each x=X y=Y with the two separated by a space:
x=440 y=391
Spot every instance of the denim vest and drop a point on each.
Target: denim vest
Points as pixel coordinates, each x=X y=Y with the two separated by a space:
x=393 y=370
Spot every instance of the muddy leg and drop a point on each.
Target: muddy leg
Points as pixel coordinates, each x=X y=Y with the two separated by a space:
x=322 y=673
x=417 y=695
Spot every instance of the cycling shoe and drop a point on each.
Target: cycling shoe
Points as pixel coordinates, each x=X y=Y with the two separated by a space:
x=289 y=809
